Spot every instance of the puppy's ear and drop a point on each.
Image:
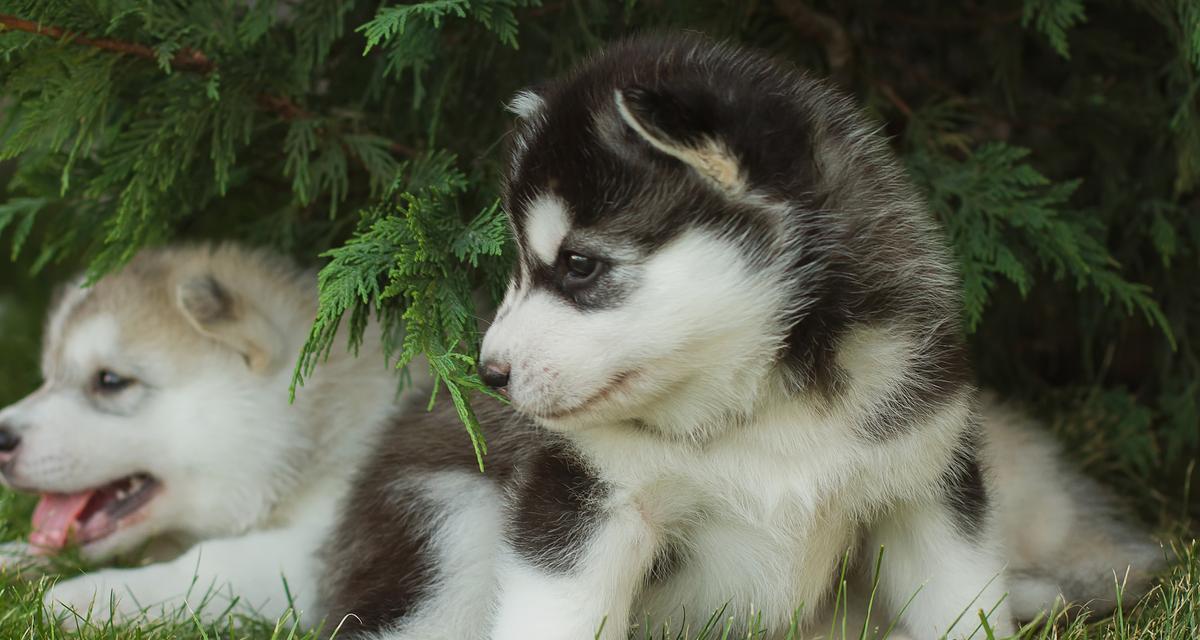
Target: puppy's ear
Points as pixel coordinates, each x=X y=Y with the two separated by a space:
x=683 y=123
x=218 y=313
x=527 y=104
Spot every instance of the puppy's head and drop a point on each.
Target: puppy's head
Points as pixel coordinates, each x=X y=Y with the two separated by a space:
x=698 y=226
x=163 y=407
x=659 y=272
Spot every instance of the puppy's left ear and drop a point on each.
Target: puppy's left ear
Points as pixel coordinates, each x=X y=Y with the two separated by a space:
x=526 y=104
x=683 y=122
x=216 y=312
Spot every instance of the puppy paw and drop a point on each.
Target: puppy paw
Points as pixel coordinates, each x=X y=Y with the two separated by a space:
x=17 y=558
x=96 y=599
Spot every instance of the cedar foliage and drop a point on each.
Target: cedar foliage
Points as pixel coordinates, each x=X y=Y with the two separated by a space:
x=1058 y=142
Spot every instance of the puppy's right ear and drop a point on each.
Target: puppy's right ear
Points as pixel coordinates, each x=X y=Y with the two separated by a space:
x=220 y=314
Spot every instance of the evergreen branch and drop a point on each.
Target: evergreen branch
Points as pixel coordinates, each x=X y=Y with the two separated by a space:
x=1053 y=18
x=186 y=59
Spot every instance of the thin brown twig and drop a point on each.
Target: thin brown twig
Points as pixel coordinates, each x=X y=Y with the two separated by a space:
x=186 y=59
x=814 y=24
x=890 y=93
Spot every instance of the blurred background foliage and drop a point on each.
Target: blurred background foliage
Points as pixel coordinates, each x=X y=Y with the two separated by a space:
x=1058 y=140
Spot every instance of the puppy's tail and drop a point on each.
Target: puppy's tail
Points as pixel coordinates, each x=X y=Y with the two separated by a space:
x=1066 y=538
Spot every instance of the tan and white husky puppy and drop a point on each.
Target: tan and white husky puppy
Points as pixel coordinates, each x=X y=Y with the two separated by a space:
x=165 y=415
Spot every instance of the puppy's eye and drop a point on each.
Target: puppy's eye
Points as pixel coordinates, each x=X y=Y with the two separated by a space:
x=579 y=270
x=581 y=266
x=109 y=382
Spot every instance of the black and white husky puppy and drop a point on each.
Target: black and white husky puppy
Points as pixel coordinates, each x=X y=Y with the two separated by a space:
x=734 y=355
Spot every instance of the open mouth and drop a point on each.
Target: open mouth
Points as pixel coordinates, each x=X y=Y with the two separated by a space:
x=92 y=515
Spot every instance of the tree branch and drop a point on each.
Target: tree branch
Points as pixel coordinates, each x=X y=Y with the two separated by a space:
x=814 y=24
x=186 y=59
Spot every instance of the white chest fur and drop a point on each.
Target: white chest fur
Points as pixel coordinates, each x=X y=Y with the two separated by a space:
x=765 y=511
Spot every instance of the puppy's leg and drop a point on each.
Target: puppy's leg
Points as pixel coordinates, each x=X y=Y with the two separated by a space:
x=948 y=567
x=568 y=593
x=251 y=574
x=437 y=582
x=1066 y=537
x=18 y=558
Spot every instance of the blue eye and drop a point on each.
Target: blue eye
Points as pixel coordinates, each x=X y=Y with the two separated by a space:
x=110 y=382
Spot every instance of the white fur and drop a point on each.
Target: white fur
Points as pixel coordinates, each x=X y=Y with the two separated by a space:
x=948 y=580
x=74 y=293
x=250 y=481
x=546 y=227
x=526 y=104
x=786 y=493
x=597 y=597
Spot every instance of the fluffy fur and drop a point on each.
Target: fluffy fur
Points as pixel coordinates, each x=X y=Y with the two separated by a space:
x=734 y=355
x=248 y=482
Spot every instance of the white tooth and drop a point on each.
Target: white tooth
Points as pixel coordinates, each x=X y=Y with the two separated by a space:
x=122 y=494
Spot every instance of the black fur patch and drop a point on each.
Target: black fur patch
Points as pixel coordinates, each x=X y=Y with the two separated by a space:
x=380 y=570
x=965 y=489
x=377 y=563
x=555 y=506
x=682 y=112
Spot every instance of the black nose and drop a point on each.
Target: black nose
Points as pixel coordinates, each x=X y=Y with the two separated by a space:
x=8 y=440
x=494 y=375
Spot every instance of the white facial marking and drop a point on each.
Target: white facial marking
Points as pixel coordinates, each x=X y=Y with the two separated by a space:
x=546 y=225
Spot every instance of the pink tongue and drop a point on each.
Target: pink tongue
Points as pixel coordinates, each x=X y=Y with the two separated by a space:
x=55 y=518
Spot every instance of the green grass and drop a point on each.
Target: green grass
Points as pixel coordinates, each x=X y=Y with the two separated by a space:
x=1171 y=611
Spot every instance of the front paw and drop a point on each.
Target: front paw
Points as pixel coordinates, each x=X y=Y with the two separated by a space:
x=17 y=558
x=95 y=599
